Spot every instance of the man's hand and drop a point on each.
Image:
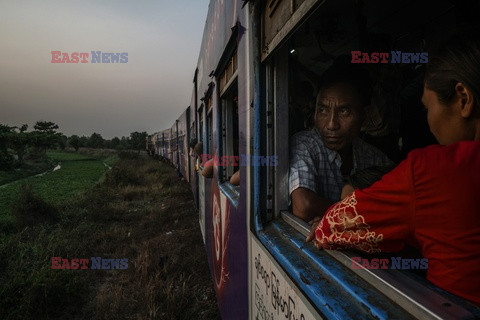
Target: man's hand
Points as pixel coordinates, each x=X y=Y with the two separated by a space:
x=307 y=204
x=207 y=171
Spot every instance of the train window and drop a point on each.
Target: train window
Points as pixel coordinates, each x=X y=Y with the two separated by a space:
x=291 y=75
x=229 y=155
x=209 y=138
x=228 y=92
x=200 y=125
x=193 y=134
x=181 y=137
x=293 y=70
x=229 y=132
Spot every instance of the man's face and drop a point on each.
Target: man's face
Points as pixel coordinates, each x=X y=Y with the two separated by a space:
x=338 y=116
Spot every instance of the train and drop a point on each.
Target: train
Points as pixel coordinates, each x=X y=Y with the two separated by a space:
x=255 y=77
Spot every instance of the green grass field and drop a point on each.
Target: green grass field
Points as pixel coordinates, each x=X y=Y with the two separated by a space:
x=67 y=156
x=140 y=211
x=78 y=173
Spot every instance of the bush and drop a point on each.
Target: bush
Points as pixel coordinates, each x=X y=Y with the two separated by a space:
x=29 y=209
x=7 y=161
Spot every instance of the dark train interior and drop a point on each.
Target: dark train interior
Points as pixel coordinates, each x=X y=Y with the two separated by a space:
x=396 y=122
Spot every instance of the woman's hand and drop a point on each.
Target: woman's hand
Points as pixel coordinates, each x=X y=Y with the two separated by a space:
x=314 y=223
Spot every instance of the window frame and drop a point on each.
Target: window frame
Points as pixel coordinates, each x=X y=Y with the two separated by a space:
x=209 y=127
x=274 y=218
x=226 y=75
x=227 y=132
x=200 y=124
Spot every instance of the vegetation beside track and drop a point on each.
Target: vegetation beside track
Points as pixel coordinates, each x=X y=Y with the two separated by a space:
x=77 y=173
x=142 y=212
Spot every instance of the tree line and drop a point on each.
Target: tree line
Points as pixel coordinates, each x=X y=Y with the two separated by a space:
x=17 y=143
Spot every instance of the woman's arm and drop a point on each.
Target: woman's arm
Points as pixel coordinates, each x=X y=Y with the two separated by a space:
x=375 y=219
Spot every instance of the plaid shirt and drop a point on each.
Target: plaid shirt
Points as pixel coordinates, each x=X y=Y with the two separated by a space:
x=315 y=167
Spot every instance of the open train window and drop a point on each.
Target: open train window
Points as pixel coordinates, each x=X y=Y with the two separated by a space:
x=292 y=69
x=181 y=144
x=229 y=132
x=193 y=134
x=229 y=155
x=171 y=145
x=201 y=134
x=166 y=143
x=159 y=143
x=209 y=138
x=200 y=124
x=228 y=93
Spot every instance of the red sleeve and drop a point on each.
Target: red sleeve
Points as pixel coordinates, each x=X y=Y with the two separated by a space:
x=375 y=219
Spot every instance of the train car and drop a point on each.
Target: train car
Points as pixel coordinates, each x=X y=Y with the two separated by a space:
x=165 y=149
x=222 y=212
x=149 y=145
x=157 y=144
x=193 y=135
x=173 y=148
x=183 y=141
x=259 y=61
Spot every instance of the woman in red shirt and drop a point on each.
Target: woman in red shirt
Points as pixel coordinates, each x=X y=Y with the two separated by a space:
x=431 y=200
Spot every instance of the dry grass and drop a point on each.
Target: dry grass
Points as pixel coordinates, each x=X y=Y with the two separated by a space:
x=29 y=209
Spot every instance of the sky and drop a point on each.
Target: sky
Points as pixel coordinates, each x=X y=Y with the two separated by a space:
x=148 y=93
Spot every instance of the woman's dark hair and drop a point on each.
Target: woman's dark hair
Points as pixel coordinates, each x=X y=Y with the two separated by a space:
x=193 y=143
x=198 y=149
x=344 y=72
x=457 y=60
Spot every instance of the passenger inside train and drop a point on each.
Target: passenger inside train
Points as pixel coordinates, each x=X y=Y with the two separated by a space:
x=395 y=123
x=430 y=200
x=191 y=147
x=393 y=118
x=323 y=157
x=207 y=170
x=196 y=149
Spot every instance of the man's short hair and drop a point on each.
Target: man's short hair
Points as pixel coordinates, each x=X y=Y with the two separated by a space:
x=352 y=74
